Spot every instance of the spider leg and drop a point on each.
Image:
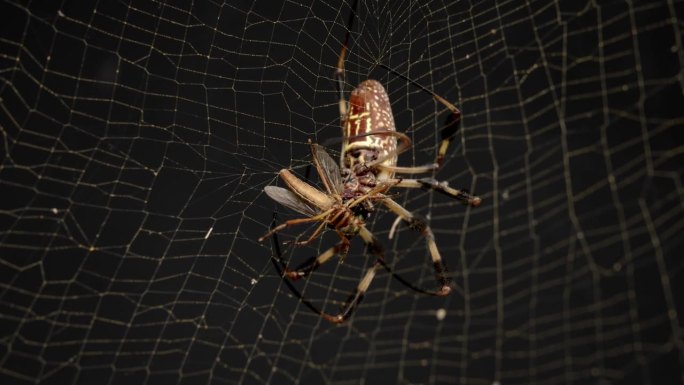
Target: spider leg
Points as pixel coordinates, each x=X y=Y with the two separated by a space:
x=313 y=263
x=375 y=248
x=441 y=187
x=281 y=267
x=412 y=170
x=419 y=225
x=339 y=72
x=453 y=121
x=404 y=145
x=357 y=295
x=355 y=298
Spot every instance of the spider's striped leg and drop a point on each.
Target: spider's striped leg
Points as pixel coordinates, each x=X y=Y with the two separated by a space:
x=313 y=263
x=339 y=77
x=339 y=72
x=355 y=298
x=357 y=295
x=419 y=225
x=281 y=267
x=449 y=131
x=440 y=187
x=453 y=121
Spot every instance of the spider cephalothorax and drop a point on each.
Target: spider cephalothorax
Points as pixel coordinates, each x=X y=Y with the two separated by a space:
x=358 y=181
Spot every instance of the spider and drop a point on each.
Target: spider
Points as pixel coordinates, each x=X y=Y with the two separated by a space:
x=365 y=174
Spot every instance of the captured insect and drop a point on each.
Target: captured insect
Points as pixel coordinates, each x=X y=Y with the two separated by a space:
x=365 y=174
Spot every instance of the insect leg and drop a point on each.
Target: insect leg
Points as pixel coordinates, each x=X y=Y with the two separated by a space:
x=294 y=222
x=313 y=236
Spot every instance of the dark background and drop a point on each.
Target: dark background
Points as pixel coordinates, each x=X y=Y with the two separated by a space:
x=137 y=139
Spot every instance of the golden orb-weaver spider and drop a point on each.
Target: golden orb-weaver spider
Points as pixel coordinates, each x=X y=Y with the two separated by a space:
x=366 y=172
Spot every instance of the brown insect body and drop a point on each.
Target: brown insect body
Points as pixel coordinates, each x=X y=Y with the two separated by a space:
x=329 y=207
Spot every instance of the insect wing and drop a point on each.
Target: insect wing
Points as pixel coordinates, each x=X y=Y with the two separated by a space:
x=287 y=198
x=330 y=170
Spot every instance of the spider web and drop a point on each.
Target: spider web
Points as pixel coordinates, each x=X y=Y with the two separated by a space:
x=137 y=140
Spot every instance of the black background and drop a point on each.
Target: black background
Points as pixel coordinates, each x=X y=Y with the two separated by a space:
x=137 y=139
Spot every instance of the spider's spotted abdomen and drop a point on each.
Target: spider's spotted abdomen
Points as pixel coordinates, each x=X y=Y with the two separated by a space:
x=369 y=128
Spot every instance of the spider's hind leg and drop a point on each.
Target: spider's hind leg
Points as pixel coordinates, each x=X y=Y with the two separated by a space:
x=313 y=263
x=437 y=262
x=352 y=301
